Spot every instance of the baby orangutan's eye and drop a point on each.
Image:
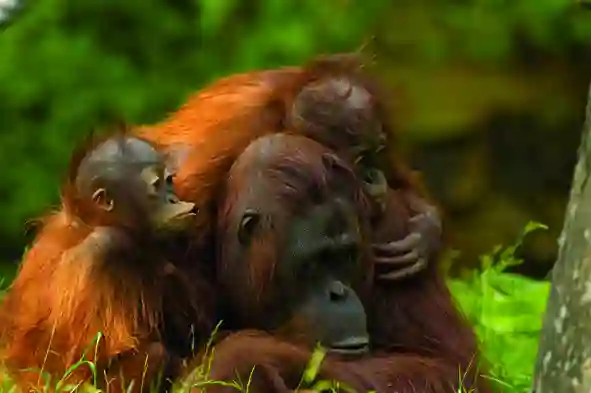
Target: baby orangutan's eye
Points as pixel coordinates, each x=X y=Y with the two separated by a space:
x=359 y=159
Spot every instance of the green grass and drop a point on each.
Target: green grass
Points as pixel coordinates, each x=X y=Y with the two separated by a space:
x=506 y=310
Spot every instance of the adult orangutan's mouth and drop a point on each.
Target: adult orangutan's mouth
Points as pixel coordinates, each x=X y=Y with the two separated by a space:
x=350 y=346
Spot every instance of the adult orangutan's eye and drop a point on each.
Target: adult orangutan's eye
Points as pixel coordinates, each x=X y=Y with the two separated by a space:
x=247 y=227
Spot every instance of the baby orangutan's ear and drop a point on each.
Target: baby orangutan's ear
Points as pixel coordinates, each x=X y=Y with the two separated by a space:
x=103 y=200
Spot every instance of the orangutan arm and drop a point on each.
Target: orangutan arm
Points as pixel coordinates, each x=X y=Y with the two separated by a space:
x=265 y=363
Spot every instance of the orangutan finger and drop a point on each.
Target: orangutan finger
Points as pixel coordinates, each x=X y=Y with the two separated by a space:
x=410 y=271
x=410 y=242
x=405 y=259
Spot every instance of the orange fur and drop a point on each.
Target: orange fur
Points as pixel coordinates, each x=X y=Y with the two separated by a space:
x=68 y=300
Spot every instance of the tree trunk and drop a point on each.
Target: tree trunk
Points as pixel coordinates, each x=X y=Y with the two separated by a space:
x=564 y=356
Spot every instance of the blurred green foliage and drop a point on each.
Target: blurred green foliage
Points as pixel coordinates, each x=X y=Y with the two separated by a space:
x=488 y=31
x=67 y=66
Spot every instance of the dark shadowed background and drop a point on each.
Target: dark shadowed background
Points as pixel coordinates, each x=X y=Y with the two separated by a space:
x=490 y=104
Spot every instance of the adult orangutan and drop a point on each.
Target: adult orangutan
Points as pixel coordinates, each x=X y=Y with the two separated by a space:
x=294 y=265
x=101 y=265
x=330 y=100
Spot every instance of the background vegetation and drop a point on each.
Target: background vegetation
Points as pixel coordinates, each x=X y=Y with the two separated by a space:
x=490 y=106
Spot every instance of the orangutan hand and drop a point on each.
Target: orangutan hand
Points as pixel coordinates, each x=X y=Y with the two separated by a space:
x=407 y=257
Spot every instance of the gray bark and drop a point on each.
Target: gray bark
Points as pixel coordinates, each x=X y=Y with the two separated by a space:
x=564 y=356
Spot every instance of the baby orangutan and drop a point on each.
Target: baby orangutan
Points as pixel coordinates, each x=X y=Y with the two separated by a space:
x=340 y=106
x=97 y=266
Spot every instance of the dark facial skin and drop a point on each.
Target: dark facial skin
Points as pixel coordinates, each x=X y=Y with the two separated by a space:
x=300 y=254
x=130 y=183
x=319 y=262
